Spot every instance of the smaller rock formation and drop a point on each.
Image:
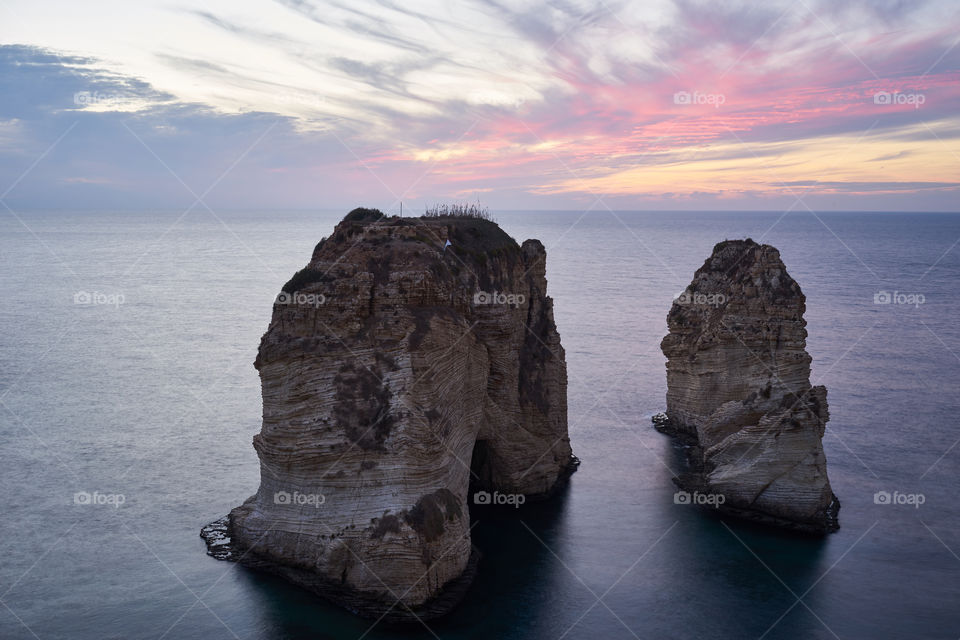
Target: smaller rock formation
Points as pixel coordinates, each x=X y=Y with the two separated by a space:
x=738 y=390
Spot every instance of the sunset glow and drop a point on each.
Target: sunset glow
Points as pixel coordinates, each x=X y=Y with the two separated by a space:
x=645 y=104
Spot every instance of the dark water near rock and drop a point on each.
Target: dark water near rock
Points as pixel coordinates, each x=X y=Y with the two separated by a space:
x=151 y=400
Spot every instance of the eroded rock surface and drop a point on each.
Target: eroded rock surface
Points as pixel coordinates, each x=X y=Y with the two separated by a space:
x=738 y=388
x=390 y=366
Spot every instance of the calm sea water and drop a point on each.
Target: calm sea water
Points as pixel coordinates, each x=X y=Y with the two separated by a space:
x=148 y=397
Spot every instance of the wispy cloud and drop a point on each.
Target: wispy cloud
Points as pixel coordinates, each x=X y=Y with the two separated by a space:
x=541 y=106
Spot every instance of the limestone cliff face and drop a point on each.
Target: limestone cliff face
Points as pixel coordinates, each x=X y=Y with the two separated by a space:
x=391 y=366
x=738 y=384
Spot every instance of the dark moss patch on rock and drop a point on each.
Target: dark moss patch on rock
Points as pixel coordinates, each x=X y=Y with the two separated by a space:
x=431 y=513
x=387 y=361
x=304 y=277
x=362 y=214
x=534 y=354
x=480 y=235
x=422 y=316
x=379 y=267
x=387 y=523
x=363 y=407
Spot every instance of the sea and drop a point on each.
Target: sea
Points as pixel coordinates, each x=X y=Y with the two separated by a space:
x=128 y=400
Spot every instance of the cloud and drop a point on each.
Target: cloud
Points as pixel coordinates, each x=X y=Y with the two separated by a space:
x=866 y=187
x=545 y=102
x=108 y=158
x=890 y=156
x=192 y=65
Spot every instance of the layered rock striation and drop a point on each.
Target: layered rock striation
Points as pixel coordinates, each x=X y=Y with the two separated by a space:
x=738 y=389
x=400 y=373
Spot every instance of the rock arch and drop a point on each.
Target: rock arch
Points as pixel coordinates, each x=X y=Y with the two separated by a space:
x=389 y=363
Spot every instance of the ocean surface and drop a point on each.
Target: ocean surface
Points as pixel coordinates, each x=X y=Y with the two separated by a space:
x=141 y=396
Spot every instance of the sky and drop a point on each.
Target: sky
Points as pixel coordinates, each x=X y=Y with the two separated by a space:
x=652 y=105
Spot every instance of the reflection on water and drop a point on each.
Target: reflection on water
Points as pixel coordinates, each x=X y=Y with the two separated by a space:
x=520 y=549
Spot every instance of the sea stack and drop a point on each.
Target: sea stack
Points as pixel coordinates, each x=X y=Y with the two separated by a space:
x=738 y=389
x=412 y=362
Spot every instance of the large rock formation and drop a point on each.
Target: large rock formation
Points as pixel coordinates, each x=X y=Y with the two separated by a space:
x=392 y=365
x=738 y=387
